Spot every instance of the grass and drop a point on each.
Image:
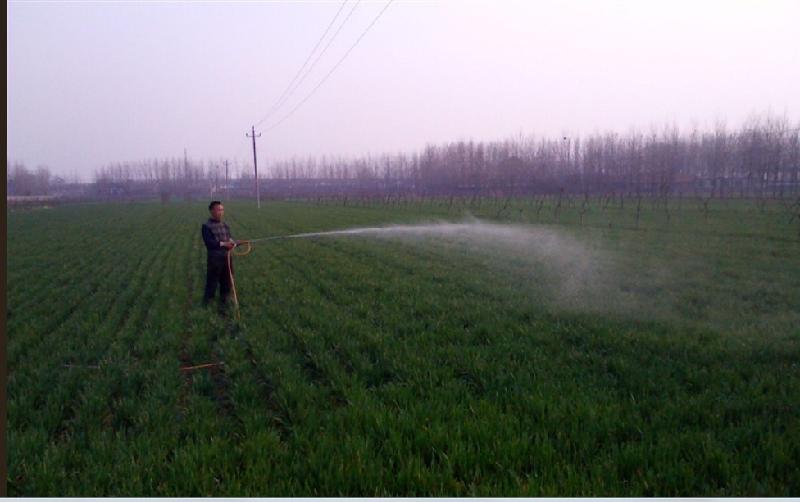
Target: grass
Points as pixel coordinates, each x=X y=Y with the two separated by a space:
x=599 y=356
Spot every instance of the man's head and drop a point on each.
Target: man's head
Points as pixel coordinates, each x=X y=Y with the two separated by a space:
x=217 y=210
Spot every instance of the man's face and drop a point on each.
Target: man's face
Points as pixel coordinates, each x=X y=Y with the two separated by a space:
x=217 y=212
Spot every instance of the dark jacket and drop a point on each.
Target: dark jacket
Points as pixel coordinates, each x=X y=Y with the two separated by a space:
x=214 y=233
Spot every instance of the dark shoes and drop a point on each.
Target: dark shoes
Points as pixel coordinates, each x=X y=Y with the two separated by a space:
x=224 y=307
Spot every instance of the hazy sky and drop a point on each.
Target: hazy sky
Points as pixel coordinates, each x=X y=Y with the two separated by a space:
x=91 y=83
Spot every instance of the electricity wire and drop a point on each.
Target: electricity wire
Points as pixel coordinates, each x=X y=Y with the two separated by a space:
x=325 y=78
x=286 y=92
x=324 y=50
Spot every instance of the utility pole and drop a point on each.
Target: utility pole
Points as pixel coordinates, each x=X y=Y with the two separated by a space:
x=255 y=162
x=227 y=186
x=185 y=174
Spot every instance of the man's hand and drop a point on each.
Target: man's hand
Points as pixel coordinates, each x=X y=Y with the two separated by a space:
x=229 y=245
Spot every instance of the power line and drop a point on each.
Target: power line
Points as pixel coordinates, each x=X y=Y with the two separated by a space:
x=325 y=78
x=316 y=60
x=283 y=95
x=324 y=50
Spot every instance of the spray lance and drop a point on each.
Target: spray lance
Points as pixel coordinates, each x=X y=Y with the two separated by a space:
x=247 y=245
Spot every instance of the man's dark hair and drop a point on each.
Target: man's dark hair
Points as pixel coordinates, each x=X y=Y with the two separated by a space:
x=214 y=203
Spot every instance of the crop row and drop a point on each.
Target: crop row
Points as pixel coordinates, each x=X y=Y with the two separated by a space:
x=366 y=366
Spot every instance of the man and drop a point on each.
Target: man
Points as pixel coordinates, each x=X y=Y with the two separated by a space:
x=217 y=237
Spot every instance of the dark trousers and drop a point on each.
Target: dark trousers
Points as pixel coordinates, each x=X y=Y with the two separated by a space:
x=217 y=274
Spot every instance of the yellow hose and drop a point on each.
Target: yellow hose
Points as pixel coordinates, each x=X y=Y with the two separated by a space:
x=245 y=252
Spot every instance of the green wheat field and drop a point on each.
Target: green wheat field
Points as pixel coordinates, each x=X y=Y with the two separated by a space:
x=525 y=347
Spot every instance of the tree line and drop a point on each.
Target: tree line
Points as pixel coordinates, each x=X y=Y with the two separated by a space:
x=761 y=159
x=21 y=181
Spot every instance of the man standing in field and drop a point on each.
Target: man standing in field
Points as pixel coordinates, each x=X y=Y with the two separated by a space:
x=217 y=237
